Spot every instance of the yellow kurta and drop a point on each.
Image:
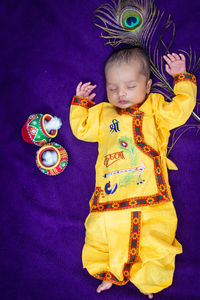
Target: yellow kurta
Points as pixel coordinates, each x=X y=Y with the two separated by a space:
x=130 y=231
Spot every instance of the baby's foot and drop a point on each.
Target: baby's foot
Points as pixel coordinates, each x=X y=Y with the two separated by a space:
x=150 y=296
x=105 y=285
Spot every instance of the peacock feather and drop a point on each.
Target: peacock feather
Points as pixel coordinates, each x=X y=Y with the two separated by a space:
x=127 y=145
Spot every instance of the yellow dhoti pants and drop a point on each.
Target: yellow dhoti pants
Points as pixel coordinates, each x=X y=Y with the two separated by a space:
x=122 y=246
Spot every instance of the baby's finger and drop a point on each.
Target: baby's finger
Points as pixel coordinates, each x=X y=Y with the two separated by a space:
x=91 y=87
x=166 y=59
x=167 y=68
x=80 y=83
x=78 y=87
x=91 y=97
x=176 y=56
x=171 y=57
x=182 y=56
x=88 y=89
x=85 y=85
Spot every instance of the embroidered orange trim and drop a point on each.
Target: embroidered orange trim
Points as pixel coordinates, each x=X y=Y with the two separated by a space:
x=134 y=240
x=82 y=101
x=183 y=77
x=129 y=111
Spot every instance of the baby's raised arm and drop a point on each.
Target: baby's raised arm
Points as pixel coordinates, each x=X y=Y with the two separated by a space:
x=84 y=114
x=175 y=113
x=84 y=90
x=175 y=63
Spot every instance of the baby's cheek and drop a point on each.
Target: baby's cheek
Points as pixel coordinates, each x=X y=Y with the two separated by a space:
x=111 y=97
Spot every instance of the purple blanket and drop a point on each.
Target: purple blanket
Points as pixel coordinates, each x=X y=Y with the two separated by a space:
x=47 y=47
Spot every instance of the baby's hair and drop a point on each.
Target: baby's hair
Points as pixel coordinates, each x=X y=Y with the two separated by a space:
x=128 y=54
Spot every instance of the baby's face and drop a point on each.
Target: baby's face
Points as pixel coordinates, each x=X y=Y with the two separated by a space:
x=126 y=85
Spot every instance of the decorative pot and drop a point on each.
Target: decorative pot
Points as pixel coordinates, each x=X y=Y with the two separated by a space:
x=34 y=131
x=61 y=163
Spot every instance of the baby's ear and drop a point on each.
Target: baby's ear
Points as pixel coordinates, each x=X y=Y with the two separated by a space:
x=149 y=84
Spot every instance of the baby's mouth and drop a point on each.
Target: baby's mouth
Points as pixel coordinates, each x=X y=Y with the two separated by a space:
x=123 y=101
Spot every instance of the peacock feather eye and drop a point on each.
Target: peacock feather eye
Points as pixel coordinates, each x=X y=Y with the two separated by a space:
x=131 y=18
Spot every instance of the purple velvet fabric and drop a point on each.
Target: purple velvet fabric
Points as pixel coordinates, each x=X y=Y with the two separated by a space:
x=47 y=47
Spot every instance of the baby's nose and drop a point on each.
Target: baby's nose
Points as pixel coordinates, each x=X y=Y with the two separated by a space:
x=122 y=92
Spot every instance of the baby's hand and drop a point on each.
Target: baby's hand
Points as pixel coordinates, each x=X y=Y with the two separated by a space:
x=175 y=63
x=85 y=89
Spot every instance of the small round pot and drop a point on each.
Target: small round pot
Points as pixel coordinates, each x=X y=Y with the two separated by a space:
x=34 y=131
x=61 y=163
